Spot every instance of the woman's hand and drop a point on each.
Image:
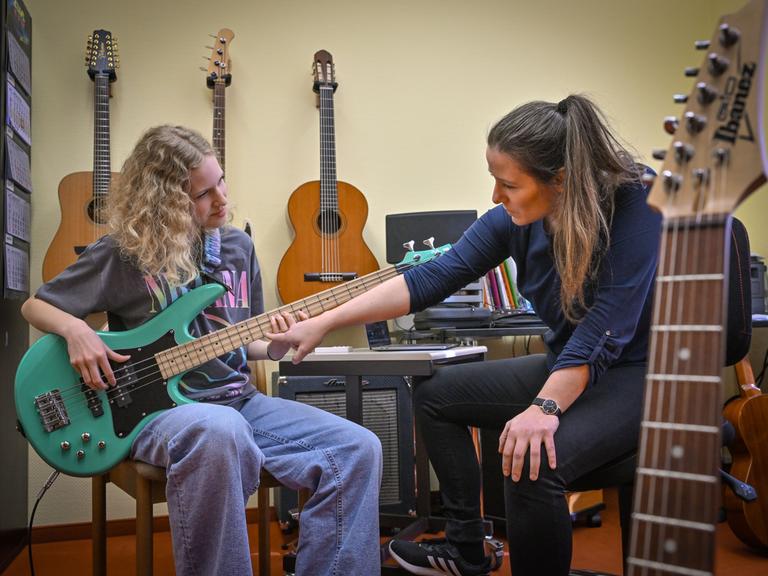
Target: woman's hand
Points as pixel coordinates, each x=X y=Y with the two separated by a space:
x=302 y=336
x=528 y=430
x=281 y=323
x=90 y=356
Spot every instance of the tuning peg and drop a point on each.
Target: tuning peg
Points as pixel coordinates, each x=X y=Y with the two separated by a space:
x=203 y=69
x=409 y=245
x=213 y=36
x=659 y=154
x=700 y=177
x=672 y=181
x=430 y=242
x=670 y=124
x=717 y=64
x=695 y=122
x=680 y=98
x=706 y=93
x=728 y=35
x=683 y=152
x=721 y=155
x=223 y=40
x=701 y=44
x=691 y=71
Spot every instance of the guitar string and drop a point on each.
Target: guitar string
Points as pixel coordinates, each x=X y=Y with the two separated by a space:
x=77 y=395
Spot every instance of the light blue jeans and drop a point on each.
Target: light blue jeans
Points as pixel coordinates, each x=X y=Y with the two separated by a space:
x=213 y=456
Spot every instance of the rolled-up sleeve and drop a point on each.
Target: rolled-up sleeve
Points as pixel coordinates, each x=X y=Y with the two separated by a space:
x=621 y=302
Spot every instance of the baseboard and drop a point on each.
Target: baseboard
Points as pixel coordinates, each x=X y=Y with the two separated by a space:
x=121 y=527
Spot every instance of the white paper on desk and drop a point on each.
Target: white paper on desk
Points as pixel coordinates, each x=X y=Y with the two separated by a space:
x=18 y=161
x=16 y=269
x=17 y=214
x=18 y=113
x=19 y=62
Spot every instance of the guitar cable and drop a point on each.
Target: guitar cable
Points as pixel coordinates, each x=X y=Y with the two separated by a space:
x=40 y=494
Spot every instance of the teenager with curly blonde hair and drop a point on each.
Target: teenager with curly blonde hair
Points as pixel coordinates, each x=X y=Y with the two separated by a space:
x=168 y=234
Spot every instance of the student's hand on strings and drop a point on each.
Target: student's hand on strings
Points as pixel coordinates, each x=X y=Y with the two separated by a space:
x=303 y=337
x=528 y=431
x=90 y=356
x=281 y=323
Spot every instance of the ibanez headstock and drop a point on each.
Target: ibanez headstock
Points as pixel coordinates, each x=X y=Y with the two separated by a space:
x=219 y=69
x=717 y=156
x=101 y=57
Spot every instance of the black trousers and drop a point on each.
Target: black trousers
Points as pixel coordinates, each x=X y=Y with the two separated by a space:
x=602 y=425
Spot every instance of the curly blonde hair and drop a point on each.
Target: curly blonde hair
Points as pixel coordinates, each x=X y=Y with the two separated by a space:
x=149 y=211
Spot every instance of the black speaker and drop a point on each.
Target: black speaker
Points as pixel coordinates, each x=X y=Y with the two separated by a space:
x=387 y=413
x=446 y=226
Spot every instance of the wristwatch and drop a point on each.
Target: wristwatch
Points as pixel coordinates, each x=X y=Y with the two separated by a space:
x=548 y=406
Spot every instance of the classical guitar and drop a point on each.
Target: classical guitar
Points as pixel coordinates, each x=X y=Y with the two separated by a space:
x=327 y=215
x=83 y=432
x=748 y=413
x=218 y=78
x=716 y=159
x=82 y=195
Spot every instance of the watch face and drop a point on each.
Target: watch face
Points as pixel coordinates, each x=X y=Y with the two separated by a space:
x=549 y=406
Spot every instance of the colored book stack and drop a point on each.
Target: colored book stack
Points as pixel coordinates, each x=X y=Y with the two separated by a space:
x=500 y=290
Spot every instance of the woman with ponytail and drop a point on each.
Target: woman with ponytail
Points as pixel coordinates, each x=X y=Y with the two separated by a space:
x=572 y=213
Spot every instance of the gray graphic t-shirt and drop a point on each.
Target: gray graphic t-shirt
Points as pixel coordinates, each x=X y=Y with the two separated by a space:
x=103 y=280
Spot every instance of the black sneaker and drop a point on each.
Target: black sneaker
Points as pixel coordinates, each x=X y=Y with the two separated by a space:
x=436 y=558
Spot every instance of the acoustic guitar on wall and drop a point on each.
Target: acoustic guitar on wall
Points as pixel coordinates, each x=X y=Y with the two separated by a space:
x=219 y=76
x=82 y=195
x=327 y=216
x=717 y=157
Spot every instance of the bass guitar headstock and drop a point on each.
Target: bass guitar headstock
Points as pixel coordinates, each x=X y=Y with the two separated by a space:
x=323 y=71
x=219 y=69
x=717 y=156
x=414 y=258
x=101 y=57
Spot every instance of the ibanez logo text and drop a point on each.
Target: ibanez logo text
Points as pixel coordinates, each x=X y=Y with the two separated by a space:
x=735 y=94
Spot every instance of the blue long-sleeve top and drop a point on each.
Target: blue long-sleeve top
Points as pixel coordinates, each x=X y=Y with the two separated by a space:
x=614 y=330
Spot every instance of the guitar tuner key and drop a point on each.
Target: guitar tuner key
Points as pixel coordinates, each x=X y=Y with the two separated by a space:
x=672 y=181
x=680 y=98
x=691 y=71
x=728 y=35
x=717 y=64
x=695 y=123
x=701 y=44
x=429 y=242
x=683 y=152
x=670 y=124
x=659 y=154
x=409 y=245
x=706 y=94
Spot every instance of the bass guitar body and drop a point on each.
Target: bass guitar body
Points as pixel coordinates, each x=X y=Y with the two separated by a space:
x=328 y=248
x=749 y=415
x=81 y=223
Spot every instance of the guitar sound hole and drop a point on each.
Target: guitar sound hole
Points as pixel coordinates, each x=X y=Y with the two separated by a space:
x=329 y=221
x=96 y=211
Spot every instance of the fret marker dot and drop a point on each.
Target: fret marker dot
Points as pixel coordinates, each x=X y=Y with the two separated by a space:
x=684 y=354
x=677 y=452
x=670 y=546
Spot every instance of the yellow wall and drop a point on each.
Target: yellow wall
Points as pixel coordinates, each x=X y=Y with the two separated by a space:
x=421 y=81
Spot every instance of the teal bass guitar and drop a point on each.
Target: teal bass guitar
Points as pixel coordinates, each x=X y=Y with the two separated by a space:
x=84 y=432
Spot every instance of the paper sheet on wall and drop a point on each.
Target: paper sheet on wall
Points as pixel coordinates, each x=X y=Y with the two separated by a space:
x=19 y=63
x=17 y=214
x=16 y=269
x=18 y=113
x=18 y=162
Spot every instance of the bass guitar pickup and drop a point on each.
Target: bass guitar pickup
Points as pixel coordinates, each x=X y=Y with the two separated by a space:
x=329 y=276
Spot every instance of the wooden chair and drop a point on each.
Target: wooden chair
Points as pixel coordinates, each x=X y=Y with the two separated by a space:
x=146 y=483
